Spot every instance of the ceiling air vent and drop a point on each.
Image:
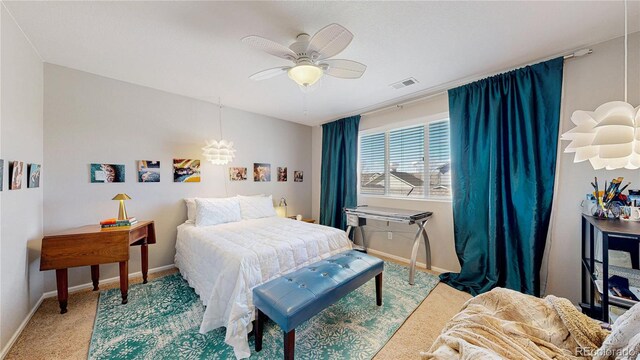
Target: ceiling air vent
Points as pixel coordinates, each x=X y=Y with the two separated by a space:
x=404 y=83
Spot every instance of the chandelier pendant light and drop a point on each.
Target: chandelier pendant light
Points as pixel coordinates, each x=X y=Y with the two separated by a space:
x=219 y=152
x=609 y=137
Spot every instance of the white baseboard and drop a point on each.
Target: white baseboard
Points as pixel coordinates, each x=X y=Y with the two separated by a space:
x=16 y=334
x=406 y=261
x=107 y=281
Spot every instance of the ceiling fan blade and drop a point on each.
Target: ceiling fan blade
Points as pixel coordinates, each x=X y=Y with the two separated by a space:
x=345 y=69
x=270 y=46
x=329 y=41
x=269 y=73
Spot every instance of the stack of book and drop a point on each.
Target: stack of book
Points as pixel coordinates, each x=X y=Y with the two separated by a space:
x=114 y=223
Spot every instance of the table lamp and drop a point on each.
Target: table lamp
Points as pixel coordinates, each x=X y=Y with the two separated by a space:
x=281 y=209
x=122 y=212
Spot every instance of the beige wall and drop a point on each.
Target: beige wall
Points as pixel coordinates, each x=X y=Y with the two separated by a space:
x=92 y=119
x=21 y=281
x=589 y=81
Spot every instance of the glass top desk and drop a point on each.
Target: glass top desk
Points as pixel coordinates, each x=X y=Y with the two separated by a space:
x=357 y=217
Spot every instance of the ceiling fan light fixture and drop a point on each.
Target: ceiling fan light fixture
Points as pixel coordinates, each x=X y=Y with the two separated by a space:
x=305 y=74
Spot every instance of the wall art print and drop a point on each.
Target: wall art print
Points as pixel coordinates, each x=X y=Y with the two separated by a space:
x=261 y=172
x=237 y=173
x=282 y=174
x=33 y=176
x=148 y=171
x=107 y=173
x=186 y=170
x=15 y=175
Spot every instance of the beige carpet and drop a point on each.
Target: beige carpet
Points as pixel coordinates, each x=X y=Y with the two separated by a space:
x=50 y=335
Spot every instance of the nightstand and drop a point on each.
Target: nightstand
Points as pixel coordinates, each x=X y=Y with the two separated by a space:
x=311 y=221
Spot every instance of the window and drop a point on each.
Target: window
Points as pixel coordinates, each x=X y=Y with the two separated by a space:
x=400 y=162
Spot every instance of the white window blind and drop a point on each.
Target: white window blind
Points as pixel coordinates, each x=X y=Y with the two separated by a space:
x=407 y=162
x=439 y=159
x=372 y=164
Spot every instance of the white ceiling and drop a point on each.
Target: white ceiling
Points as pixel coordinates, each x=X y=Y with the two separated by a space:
x=194 y=48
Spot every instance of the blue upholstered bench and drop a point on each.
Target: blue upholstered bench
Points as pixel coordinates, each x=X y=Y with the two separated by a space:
x=294 y=298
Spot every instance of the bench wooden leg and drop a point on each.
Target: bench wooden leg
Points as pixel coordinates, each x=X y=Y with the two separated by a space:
x=379 y=289
x=289 y=344
x=259 y=325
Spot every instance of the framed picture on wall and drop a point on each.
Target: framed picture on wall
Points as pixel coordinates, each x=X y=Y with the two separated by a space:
x=148 y=171
x=261 y=172
x=33 y=176
x=298 y=176
x=186 y=170
x=282 y=174
x=107 y=173
x=15 y=175
x=237 y=173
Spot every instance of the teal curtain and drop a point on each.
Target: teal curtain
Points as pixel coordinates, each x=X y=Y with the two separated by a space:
x=504 y=136
x=338 y=177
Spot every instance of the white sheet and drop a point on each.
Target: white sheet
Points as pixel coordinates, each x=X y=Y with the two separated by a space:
x=223 y=263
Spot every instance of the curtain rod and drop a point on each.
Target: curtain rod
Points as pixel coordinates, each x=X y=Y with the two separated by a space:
x=443 y=88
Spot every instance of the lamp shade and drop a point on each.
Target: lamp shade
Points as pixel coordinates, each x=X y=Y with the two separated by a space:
x=219 y=152
x=305 y=74
x=608 y=137
x=121 y=197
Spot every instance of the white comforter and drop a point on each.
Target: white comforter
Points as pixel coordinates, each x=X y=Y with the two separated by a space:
x=223 y=263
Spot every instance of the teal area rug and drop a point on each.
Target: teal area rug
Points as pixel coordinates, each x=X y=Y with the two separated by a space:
x=162 y=319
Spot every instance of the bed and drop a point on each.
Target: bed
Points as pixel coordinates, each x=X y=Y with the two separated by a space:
x=224 y=262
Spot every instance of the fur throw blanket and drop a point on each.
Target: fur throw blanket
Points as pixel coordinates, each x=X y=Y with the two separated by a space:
x=504 y=324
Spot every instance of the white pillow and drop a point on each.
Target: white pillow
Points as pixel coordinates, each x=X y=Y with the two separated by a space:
x=191 y=210
x=256 y=207
x=215 y=211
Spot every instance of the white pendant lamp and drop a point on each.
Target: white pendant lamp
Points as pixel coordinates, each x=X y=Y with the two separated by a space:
x=608 y=137
x=219 y=152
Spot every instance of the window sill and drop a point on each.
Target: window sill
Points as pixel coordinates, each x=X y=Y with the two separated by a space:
x=386 y=197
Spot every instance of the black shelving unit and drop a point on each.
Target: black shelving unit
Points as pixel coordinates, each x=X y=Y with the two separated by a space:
x=616 y=235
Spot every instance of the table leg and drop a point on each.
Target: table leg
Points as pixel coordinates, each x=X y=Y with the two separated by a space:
x=63 y=289
x=427 y=245
x=414 y=256
x=95 y=276
x=144 y=253
x=364 y=242
x=124 y=280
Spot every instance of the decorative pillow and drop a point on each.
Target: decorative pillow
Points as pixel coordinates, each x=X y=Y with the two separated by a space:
x=215 y=211
x=191 y=210
x=256 y=207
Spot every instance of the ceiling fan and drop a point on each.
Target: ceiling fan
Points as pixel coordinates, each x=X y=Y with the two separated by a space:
x=310 y=56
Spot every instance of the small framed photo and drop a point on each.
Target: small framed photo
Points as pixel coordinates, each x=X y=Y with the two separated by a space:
x=261 y=172
x=186 y=170
x=107 y=173
x=148 y=171
x=298 y=176
x=282 y=174
x=15 y=175
x=33 y=176
x=237 y=173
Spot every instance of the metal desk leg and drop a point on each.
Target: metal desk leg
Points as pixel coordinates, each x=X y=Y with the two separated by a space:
x=427 y=246
x=414 y=251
